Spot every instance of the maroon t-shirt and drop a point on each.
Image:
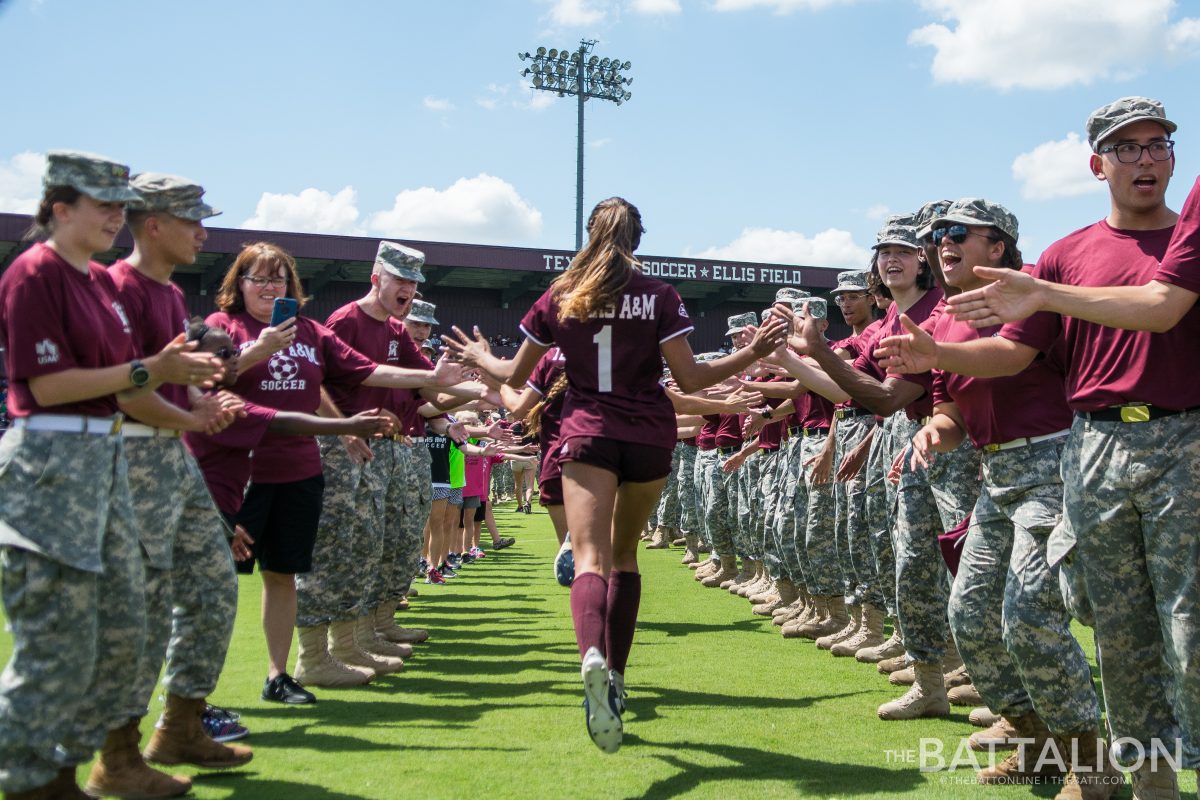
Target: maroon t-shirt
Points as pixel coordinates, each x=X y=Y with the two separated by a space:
x=382 y=341
x=1181 y=265
x=225 y=457
x=54 y=318
x=772 y=433
x=549 y=367
x=996 y=410
x=890 y=326
x=857 y=346
x=1109 y=366
x=157 y=312
x=406 y=403
x=729 y=431
x=614 y=363
x=923 y=406
x=290 y=380
x=707 y=438
x=814 y=411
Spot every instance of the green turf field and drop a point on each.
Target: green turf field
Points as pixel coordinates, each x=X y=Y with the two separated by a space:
x=720 y=705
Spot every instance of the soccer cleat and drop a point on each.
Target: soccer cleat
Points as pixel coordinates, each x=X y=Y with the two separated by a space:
x=600 y=708
x=564 y=562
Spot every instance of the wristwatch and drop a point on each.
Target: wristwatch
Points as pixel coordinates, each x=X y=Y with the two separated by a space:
x=139 y=376
x=767 y=414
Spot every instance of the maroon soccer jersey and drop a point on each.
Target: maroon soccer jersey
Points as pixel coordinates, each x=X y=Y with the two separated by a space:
x=382 y=341
x=290 y=380
x=224 y=458
x=1181 y=265
x=157 y=314
x=54 y=318
x=549 y=367
x=996 y=410
x=1108 y=366
x=614 y=363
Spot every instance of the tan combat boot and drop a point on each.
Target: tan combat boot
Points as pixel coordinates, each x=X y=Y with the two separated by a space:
x=387 y=627
x=785 y=614
x=183 y=740
x=846 y=632
x=121 y=772
x=748 y=573
x=1150 y=783
x=316 y=667
x=869 y=634
x=785 y=595
x=63 y=787
x=1026 y=764
x=905 y=676
x=761 y=583
x=343 y=646
x=964 y=695
x=677 y=537
x=660 y=540
x=926 y=698
x=891 y=648
x=893 y=664
x=705 y=567
x=998 y=736
x=983 y=717
x=691 y=553
x=725 y=572
x=833 y=618
x=369 y=643
x=1093 y=774
x=812 y=612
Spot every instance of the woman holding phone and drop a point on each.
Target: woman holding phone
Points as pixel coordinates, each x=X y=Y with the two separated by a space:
x=283 y=366
x=614 y=326
x=73 y=594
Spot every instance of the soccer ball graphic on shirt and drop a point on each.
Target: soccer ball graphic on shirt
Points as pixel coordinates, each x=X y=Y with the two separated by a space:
x=283 y=367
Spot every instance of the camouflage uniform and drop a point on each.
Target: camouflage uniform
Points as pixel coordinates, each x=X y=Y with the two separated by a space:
x=718 y=514
x=1020 y=653
x=191 y=586
x=928 y=502
x=768 y=492
x=668 y=501
x=73 y=596
x=685 y=484
x=747 y=499
x=850 y=523
x=409 y=501
x=377 y=539
x=879 y=509
x=790 y=482
x=820 y=545
x=1130 y=497
x=703 y=488
x=329 y=592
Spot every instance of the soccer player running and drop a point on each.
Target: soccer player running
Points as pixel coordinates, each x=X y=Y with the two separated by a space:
x=613 y=325
x=1130 y=462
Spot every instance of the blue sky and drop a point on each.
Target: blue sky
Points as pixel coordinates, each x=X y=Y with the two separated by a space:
x=766 y=130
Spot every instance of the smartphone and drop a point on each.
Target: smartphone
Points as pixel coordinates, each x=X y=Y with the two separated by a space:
x=285 y=308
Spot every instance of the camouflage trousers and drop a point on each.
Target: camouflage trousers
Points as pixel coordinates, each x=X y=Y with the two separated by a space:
x=850 y=512
x=502 y=480
x=668 y=501
x=769 y=491
x=879 y=515
x=791 y=508
x=406 y=510
x=701 y=489
x=720 y=503
x=749 y=503
x=928 y=502
x=1130 y=498
x=191 y=585
x=1006 y=610
x=820 y=540
x=76 y=633
x=685 y=488
x=351 y=512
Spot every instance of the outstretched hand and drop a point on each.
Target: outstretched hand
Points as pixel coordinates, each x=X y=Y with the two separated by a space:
x=1011 y=296
x=472 y=351
x=913 y=352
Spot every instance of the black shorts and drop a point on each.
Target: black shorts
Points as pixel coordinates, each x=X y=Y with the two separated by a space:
x=481 y=512
x=282 y=520
x=631 y=461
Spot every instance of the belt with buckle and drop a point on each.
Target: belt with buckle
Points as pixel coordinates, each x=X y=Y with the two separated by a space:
x=1143 y=412
x=847 y=413
x=69 y=423
x=1024 y=441
x=135 y=430
x=728 y=451
x=815 y=431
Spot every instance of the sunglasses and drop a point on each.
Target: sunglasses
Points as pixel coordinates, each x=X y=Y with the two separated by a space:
x=958 y=234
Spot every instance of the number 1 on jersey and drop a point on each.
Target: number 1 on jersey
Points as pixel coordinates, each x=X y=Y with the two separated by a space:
x=603 y=341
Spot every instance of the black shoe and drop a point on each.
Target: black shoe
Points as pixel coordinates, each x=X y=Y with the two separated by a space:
x=528 y=509
x=283 y=688
x=505 y=541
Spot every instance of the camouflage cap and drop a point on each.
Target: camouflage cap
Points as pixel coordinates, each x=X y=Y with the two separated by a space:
x=171 y=194
x=403 y=262
x=739 y=322
x=788 y=293
x=1108 y=119
x=96 y=176
x=978 y=211
x=432 y=343
x=422 y=311
x=850 y=282
x=928 y=214
x=898 y=229
x=702 y=357
x=818 y=308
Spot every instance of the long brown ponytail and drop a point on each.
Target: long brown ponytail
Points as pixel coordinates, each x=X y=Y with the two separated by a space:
x=533 y=419
x=603 y=267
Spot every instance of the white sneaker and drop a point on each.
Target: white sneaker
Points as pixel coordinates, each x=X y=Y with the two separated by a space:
x=601 y=712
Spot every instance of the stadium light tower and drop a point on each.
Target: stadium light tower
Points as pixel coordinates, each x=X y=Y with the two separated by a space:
x=585 y=76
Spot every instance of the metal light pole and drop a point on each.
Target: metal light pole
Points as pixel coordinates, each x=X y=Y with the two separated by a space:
x=585 y=76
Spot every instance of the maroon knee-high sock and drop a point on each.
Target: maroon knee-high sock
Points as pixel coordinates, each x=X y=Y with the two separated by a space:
x=624 y=596
x=589 y=598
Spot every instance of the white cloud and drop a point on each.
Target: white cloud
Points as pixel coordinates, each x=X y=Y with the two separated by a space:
x=655 y=7
x=577 y=13
x=1035 y=44
x=21 y=182
x=877 y=213
x=1056 y=169
x=829 y=248
x=310 y=211
x=777 y=6
x=437 y=104
x=484 y=209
